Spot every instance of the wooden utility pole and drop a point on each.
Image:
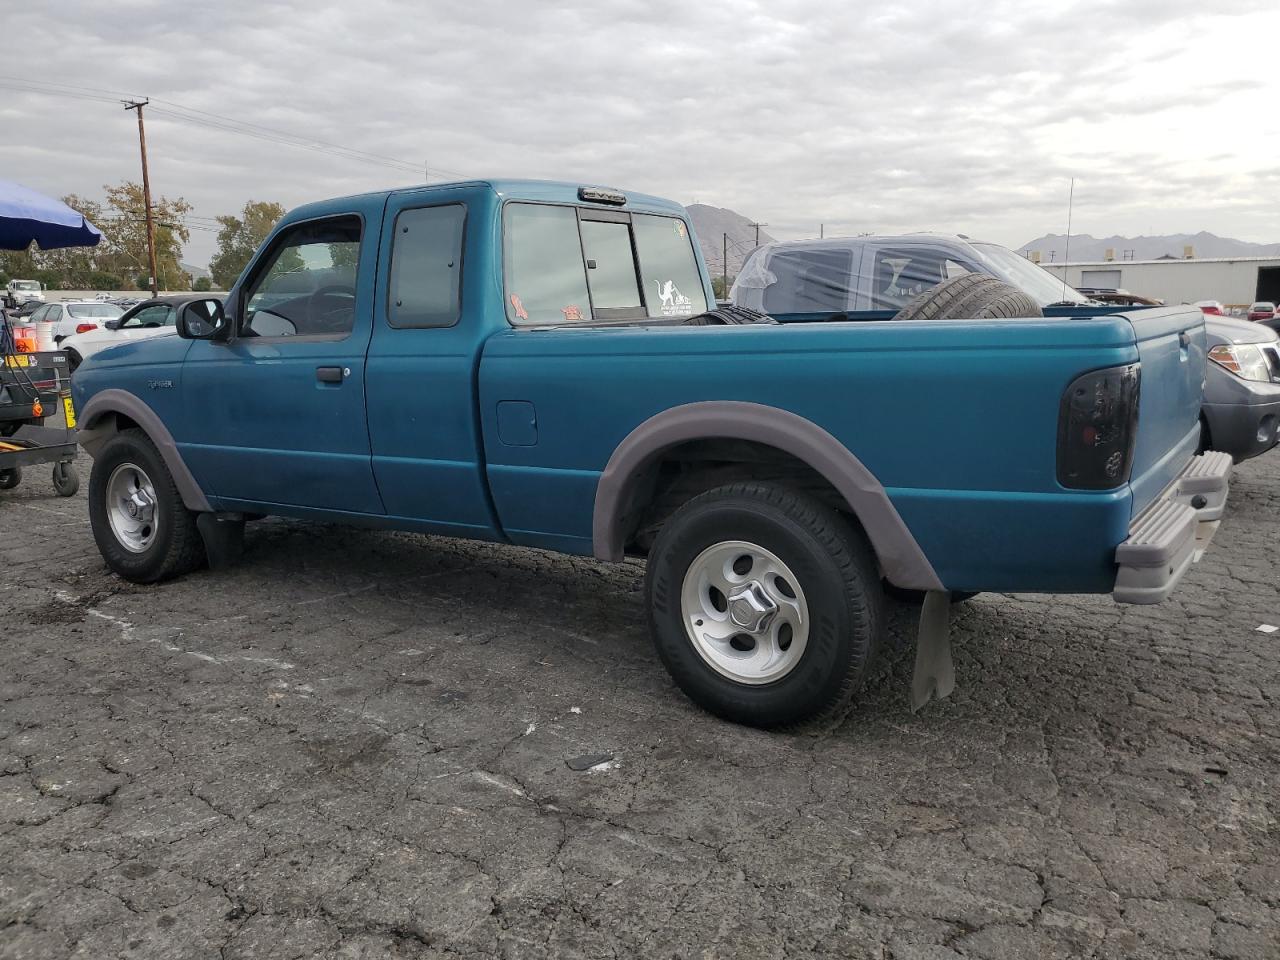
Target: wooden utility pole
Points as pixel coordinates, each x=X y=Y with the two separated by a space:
x=146 y=194
x=724 y=267
x=757 y=226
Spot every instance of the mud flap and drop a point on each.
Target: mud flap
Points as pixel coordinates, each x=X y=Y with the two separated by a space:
x=223 y=536
x=935 y=674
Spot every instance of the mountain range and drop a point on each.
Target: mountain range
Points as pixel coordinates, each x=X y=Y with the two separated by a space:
x=712 y=224
x=1086 y=249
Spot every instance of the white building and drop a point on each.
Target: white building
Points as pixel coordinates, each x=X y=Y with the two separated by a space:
x=1236 y=281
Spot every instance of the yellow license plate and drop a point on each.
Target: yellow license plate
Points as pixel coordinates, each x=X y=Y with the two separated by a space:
x=70 y=410
x=19 y=360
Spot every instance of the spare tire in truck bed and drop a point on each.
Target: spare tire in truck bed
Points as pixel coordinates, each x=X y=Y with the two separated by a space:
x=973 y=296
x=728 y=315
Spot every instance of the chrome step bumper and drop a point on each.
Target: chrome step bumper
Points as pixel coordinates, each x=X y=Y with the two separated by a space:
x=1173 y=532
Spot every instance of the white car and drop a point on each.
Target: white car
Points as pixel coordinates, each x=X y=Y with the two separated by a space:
x=150 y=318
x=74 y=316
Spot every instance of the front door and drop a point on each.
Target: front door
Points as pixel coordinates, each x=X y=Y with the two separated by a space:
x=276 y=417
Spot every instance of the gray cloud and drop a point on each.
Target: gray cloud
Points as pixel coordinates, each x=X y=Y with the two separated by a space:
x=936 y=115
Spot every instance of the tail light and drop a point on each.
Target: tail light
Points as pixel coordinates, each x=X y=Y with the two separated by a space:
x=85 y=327
x=1097 y=428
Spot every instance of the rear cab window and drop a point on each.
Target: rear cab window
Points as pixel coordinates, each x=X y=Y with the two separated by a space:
x=425 y=286
x=567 y=264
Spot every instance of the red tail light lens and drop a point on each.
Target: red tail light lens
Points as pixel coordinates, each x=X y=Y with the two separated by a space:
x=85 y=327
x=1097 y=428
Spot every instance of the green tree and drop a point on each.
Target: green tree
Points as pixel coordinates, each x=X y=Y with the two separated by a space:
x=239 y=237
x=101 y=280
x=202 y=284
x=124 y=234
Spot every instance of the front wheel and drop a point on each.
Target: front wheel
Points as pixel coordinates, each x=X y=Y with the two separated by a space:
x=142 y=528
x=765 y=604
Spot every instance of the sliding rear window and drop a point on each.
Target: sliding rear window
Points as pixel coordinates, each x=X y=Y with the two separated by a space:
x=572 y=265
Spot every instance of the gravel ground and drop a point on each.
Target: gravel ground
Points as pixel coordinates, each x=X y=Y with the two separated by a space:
x=365 y=744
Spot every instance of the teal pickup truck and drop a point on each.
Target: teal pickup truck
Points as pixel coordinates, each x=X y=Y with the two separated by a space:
x=542 y=364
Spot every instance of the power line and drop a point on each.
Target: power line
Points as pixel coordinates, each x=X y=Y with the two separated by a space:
x=172 y=110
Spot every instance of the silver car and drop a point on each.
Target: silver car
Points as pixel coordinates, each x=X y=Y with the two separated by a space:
x=857 y=274
x=1241 y=413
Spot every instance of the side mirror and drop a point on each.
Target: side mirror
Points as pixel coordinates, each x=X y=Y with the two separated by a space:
x=202 y=320
x=113 y=324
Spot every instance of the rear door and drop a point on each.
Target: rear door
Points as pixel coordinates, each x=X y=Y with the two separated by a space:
x=277 y=417
x=422 y=359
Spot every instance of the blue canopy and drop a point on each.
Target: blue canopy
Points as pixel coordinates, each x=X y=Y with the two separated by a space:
x=26 y=215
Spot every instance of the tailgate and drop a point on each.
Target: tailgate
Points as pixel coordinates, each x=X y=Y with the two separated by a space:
x=1171 y=346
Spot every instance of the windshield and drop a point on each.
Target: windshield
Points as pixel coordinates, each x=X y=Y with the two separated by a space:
x=81 y=311
x=1034 y=281
x=26 y=285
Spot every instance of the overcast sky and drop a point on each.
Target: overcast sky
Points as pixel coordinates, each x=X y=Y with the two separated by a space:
x=884 y=117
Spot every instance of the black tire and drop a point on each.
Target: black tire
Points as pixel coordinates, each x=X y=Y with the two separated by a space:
x=835 y=568
x=972 y=296
x=728 y=316
x=66 y=482
x=176 y=547
x=73 y=361
x=10 y=478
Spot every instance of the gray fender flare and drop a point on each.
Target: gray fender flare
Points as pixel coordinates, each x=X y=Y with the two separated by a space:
x=901 y=559
x=97 y=428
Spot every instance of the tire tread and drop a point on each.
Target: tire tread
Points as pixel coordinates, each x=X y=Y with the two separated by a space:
x=970 y=296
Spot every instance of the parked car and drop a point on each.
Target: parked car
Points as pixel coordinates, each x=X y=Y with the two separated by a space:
x=1117 y=296
x=1262 y=311
x=534 y=363
x=1242 y=388
x=1212 y=308
x=75 y=316
x=792 y=277
x=26 y=310
x=880 y=273
x=150 y=318
x=18 y=292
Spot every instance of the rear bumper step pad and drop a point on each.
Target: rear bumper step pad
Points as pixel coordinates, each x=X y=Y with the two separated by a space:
x=1173 y=532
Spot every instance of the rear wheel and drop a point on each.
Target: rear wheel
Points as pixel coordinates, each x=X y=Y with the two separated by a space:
x=10 y=478
x=764 y=604
x=142 y=528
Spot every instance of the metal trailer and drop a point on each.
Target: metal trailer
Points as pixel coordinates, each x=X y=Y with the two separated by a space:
x=34 y=387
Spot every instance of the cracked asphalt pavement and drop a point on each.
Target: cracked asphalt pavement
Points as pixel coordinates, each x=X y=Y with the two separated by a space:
x=364 y=744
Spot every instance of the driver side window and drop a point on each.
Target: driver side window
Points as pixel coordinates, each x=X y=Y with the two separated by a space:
x=306 y=285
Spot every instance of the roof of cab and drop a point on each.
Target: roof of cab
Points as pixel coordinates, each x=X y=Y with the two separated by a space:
x=545 y=191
